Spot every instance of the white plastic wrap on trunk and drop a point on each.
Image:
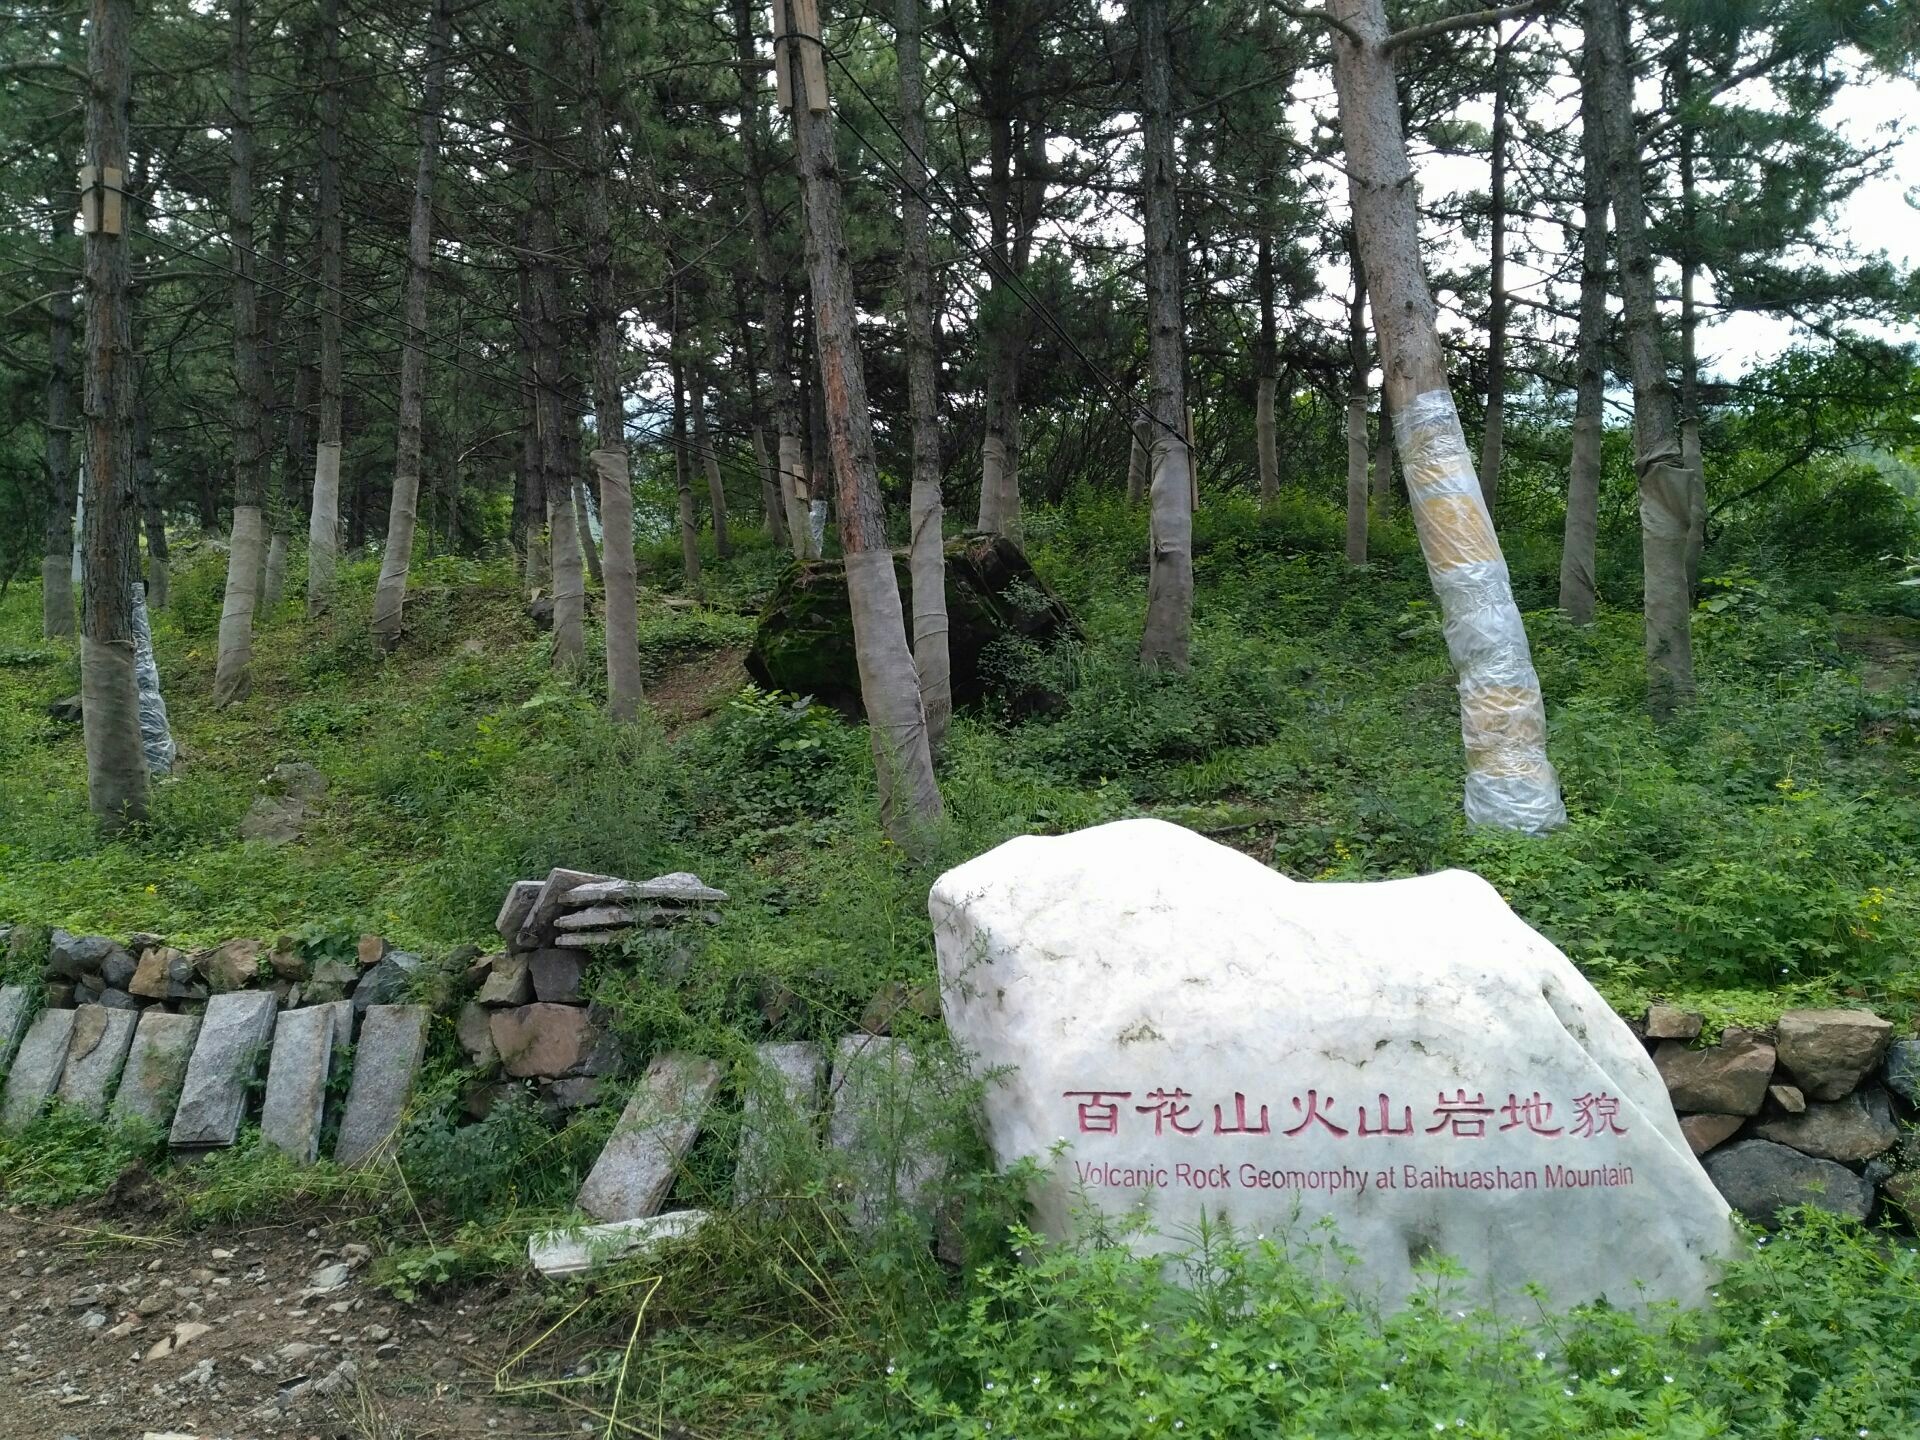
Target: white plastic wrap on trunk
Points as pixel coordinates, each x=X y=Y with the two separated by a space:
x=817 y=524
x=156 y=739
x=1503 y=722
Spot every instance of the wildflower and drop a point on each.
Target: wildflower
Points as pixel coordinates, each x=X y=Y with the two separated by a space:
x=889 y=1369
x=1614 y=1371
x=1213 y=1345
x=1273 y=1365
x=1385 y=1386
x=1540 y=1355
x=1666 y=1379
x=989 y=1384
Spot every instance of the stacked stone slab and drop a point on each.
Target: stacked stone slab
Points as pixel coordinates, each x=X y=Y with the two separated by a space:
x=529 y=1019
x=1807 y=1116
x=177 y=1040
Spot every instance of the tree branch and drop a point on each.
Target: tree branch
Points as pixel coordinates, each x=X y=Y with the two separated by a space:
x=61 y=67
x=1321 y=17
x=1473 y=19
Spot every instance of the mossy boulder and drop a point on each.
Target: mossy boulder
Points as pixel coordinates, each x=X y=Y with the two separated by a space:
x=1000 y=612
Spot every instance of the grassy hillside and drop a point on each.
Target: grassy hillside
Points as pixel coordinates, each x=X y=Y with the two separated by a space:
x=1760 y=852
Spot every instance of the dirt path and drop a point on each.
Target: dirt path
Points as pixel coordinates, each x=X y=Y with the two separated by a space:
x=234 y=1334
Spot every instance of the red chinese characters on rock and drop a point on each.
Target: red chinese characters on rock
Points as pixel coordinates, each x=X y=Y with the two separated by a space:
x=1460 y=1116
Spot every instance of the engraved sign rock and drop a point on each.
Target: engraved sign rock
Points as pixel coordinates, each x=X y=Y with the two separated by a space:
x=1170 y=1027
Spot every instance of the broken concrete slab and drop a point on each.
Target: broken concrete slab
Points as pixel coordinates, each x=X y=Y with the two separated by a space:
x=95 y=1053
x=295 y=1103
x=16 y=1007
x=636 y=1169
x=781 y=1102
x=559 y=1253
x=156 y=1066
x=589 y=939
x=393 y=1040
x=36 y=1068
x=213 y=1100
x=871 y=1125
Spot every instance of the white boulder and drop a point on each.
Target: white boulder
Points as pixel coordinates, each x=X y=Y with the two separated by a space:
x=1175 y=1028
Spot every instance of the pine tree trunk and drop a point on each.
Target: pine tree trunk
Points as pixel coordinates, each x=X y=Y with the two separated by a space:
x=159 y=580
x=323 y=519
x=583 y=523
x=709 y=461
x=619 y=578
x=390 y=591
x=1266 y=376
x=1577 y=588
x=1357 y=368
x=246 y=551
x=775 y=313
x=1689 y=336
x=287 y=509
x=1665 y=485
x=683 y=476
x=110 y=712
x=1493 y=437
x=273 y=313
x=771 y=502
x=1168 y=631
x=911 y=811
x=1383 y=460
x=1139 y=460
x=56 y=551
x=927 y=559
x=1510 y=782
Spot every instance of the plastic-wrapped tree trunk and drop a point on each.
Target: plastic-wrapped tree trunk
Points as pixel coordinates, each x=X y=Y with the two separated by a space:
x=390 y=591
x=247 y=544
x=1690 y=322
x=323 y=521
x=1357 y=367
x=910 y=805
x=775 y=312
x=927 y=559
x=273 y=318
x=1577 y=593
x=56 y=554
x=609 y=409
x=110 y=708
x=1510 y=782
x=1665 y=485
x=1168 y=632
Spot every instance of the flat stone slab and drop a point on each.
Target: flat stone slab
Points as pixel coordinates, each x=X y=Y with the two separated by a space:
x=213 y=1099
x=16 y=1005
x=156 y=1066
x=95 y=1054
x=631 y=1178
x=393 y=1039
x=679 y=886
x=559 y=1253
x=587 y=939
x=295 y=1104
x=781 y=1101
x=555 y=891
x=595 y=917
x=870 y=1125
x=36 y=1068
x=516 y=907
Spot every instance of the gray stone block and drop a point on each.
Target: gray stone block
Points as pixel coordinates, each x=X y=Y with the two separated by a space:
x=393 y=1039
x=16 y=1006
x=559 y=1253
x=781 y=1101
x=213 y=1100
x=872 y=1126
x=1760 y=1178
x=516 y=907
x=1902 y=1069
x=95 y=1053
x=554 y=890
x=662 y=1119
x=295 y=1103
x=36 y=1068
x=156 y=1066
